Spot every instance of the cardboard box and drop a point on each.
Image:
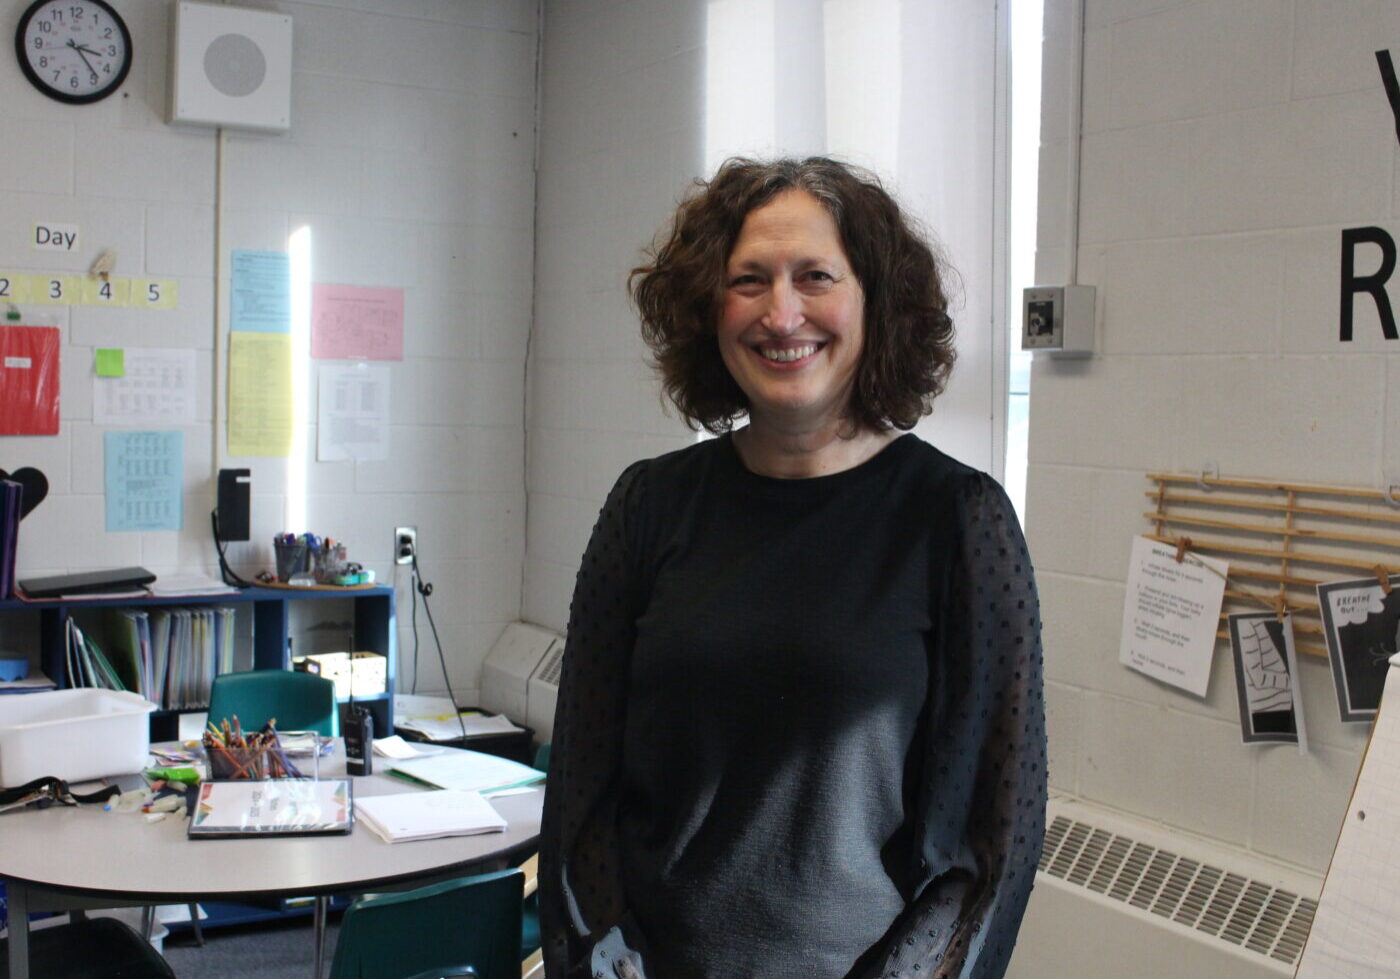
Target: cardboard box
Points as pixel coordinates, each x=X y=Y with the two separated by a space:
x=365 y=672
x=73 y=734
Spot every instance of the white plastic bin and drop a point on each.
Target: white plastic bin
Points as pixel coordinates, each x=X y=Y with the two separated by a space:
x=74 y=734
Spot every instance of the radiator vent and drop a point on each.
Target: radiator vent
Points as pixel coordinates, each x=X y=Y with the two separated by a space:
x=1249 y=913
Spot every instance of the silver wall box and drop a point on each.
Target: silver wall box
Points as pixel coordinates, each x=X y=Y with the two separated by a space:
x=1058 y=320
x=231 y=67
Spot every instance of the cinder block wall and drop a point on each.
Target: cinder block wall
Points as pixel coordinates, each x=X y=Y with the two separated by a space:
x=1225 y=147
x=410 y=157
x=621 y=134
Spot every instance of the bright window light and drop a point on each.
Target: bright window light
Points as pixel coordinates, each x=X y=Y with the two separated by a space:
x=299 y=250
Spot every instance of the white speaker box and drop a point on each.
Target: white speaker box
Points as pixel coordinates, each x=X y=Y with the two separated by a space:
x=231 y=67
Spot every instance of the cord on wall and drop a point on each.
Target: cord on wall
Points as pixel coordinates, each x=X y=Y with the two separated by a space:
x=1075 y=137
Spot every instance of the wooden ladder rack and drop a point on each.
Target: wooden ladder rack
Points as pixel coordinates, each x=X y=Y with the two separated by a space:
x=1282 y=540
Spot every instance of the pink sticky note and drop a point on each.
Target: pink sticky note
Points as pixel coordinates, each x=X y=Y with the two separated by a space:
x=356 y=322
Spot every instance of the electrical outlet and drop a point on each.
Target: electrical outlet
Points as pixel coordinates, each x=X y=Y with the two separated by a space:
x=405 y=544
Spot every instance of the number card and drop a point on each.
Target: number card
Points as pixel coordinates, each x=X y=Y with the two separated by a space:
x=54 y=290
x=113 y=292
x=14 y=287
x=154 y=293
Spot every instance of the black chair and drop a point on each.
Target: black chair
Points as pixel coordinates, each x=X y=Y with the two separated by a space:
x=89 y=948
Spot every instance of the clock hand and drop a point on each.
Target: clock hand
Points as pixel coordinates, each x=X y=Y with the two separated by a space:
x=85 y=60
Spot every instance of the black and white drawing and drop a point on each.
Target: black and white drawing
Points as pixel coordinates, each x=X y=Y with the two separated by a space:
x=1266 y=670
x=1361 y=620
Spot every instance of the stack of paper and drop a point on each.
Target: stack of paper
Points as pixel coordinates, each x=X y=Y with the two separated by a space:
x=428 y=815
x=190 y=584
x=468 y=771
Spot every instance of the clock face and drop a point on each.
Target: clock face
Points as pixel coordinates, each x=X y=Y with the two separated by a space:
x=73 y=51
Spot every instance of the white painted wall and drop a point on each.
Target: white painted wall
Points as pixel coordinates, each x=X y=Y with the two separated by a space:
x=1225 y=146
x=621 y=136
x=411 y=159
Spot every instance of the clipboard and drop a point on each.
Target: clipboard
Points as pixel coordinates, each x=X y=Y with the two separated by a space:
x=275 y=807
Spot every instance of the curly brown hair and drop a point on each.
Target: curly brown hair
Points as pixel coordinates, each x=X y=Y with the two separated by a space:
x=908 y=350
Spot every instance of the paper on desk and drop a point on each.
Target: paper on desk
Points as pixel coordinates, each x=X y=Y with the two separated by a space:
x=468 y=771
x=407 y=816
x=447 y=728
x=395 y=746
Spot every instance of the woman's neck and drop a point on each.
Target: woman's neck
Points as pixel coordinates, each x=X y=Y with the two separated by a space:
x=770 y=451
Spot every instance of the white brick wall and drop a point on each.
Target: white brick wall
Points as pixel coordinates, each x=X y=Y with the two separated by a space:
x=411 y=158
x=1226 y=145
x=623 y=87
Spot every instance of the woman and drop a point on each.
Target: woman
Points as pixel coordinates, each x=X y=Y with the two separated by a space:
x=800 y=730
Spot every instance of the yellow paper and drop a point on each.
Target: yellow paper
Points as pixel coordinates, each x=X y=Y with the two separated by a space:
x=155 y=293
x=259 y=394
x=113 y=292
x=14 y=287
x=54 y=290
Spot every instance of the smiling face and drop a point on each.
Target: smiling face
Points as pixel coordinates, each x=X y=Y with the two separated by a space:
x=791 y=323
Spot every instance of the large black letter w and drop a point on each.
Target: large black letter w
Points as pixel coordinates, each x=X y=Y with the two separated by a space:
x=1392 y=87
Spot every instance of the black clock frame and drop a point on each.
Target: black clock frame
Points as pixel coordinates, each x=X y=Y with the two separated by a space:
x=22 y=55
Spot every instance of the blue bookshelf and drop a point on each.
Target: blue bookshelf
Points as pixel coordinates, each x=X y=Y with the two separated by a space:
x=373 y=630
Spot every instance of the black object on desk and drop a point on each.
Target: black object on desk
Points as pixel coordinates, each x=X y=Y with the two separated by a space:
x=87 y=582
x=358 y=732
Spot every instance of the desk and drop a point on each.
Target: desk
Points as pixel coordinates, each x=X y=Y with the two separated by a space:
x=67 y=858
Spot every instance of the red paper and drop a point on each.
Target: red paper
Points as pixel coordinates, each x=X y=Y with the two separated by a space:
x=356 y=323
x=29 y=380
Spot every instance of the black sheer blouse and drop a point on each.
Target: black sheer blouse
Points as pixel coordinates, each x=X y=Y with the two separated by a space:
x=800 y=730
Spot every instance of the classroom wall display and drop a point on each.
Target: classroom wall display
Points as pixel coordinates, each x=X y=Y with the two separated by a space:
x=29 y=380
x=260 y=394
x=144 y=386
x=260 y=296
x=1266 y=670
x=356 y=323
x=1372 y=284
x=1361 y=621
x=1170 y=607
x=144 y=477
x=68 y=289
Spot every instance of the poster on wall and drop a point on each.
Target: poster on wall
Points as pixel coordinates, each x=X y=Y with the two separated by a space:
x=144 y=479
x=1361 y=621
x=1170 y=612
x=260 y=292
x=352 y=412
x=29 y=380
x=144 y=386
x=356 y=322
x=1266 y=668
x=259 y=394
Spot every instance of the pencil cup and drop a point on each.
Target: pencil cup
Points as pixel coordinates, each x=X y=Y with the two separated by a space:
x=291 y=558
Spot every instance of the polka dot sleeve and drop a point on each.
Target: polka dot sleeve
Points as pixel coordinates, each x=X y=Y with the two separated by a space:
x=981 y=810
x=579 y=884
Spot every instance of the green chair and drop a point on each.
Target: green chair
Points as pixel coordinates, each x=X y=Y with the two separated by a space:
x=298 y=701
x=471 y=921
x=89 y=948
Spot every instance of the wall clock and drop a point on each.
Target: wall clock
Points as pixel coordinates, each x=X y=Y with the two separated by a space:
x=74 y=51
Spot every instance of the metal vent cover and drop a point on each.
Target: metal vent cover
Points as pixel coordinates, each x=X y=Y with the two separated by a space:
x=1231 y=907
x=551 y=668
